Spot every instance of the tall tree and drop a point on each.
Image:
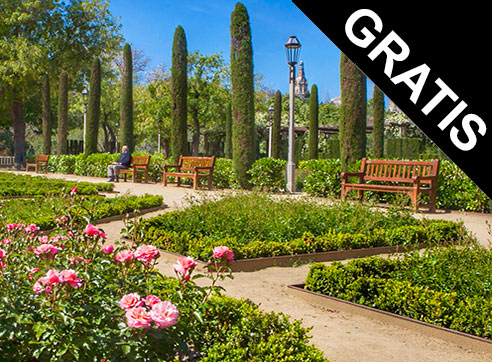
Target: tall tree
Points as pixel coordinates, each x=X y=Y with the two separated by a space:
x=37 y=37
x=93 y=108
x=277 y=116
x=243 y=108
x=62 y=114
x=353 y=110
x=378 y=122
x=313 y=123
x=126 y=113
x=46 y=115
x=228 y=132
x=179 y=90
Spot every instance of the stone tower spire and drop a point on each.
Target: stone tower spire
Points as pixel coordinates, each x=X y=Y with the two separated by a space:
x=301 y=88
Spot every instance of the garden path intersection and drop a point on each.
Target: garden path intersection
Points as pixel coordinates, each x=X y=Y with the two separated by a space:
x=341 y=336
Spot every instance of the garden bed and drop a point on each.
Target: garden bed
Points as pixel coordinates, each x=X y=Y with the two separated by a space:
x=447 y=287
x=331 y=303
x=263 y=232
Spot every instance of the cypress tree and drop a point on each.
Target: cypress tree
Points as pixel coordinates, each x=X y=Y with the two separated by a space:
x=313 y=123
x=277 y=115
x=179 y=89
x=93 y=108
x=46 y=115
x=126 y=110
x=243 y=111
x=63 y=114
x=378 y=123
x=352 y=113
x=228 y=132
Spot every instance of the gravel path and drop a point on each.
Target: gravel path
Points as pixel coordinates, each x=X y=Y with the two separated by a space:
x=341 y=336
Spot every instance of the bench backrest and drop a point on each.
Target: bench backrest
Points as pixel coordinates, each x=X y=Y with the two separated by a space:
x=140 y=161
x=42 y=158
x=188 y=163
x=398 y=171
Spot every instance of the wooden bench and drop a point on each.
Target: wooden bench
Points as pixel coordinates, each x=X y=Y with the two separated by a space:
x=420 y=177
x=194 y=167
x=40 y=162
x=139 y=165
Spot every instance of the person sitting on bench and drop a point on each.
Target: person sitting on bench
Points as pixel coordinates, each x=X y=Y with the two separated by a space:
x=124 y=162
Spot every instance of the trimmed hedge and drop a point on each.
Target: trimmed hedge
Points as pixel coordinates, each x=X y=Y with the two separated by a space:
x=256 y=226
x=25 y=185
x=42 y=213
x=449 y=287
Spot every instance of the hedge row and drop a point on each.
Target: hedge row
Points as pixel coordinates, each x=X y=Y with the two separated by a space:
x=25 y=185
x=415 y=289
x=42 y=213
x=315 y=177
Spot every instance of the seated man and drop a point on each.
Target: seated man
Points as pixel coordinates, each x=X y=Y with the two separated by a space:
x=124 y=162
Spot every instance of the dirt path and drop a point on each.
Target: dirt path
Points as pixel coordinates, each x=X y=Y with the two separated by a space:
x=341 y=336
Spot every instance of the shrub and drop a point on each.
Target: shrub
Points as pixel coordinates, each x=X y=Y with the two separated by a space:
x=449 y=287
x=224 y=176
x=323 y=178
x=268 y=174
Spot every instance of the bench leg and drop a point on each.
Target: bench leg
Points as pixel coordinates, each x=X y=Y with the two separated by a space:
x=164 y=179
x=195 y=182
x=343 y=194
x=360 y=195
x=415 y=198
x=210 y=182
x=178 y=181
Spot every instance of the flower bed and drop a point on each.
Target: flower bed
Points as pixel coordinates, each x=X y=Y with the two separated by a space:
x=448 y=287
x=43 y=212
x=68 y=296
x=26 y=185
x=254 y=226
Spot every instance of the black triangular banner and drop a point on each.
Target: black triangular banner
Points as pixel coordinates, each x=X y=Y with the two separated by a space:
x=430 y=61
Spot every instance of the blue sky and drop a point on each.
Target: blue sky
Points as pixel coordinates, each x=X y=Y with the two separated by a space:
x=149 y=25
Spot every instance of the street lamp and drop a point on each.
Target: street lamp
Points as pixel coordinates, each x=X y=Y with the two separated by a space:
x=159 y=125
x=270 y=112
x=85 y=95
x=292 y=50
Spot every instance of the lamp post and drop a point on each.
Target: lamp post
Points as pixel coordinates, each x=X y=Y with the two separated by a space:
x=85 y=95
x=159 y=124
x=116 y=132
x=270 y=112
x=292 y=50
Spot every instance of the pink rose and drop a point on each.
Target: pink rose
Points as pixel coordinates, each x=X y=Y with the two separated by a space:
x=124 y=256
x=151 y=300
x=138 y=318
x=69 y=276
x=164 y=314
x=31 y=272
x=61 y=219
x=74 y=190
x=46 y=250
x=108 y=249
x=91 y=230
x=130 y=301
x=31 y=228
x=221 y=252
x=184 y=267
x=7 y=241
x=2 y=254
x=52 y=277
x=37 y=287
x=146 y=253
x=43 y=239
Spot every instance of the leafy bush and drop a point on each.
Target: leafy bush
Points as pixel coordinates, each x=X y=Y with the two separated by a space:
x=224 y=176
x=254 y=225
x=66 y=297
x=449 y=287
x=26 y=185
x=43 y=212
x=323 y=178
x=268 y=174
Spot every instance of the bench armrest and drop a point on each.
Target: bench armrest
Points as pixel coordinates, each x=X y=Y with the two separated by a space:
x=418 y=179
x=171 y=166
x=346 y=175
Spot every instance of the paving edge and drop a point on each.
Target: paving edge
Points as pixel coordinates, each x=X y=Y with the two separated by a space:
x=449 y=335
x=249 y=265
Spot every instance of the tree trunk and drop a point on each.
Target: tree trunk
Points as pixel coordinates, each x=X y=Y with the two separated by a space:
x=313 y=123
x=46 y=115
x=277 y=115
x=352 y=113
x=126 y=113
x=19 y=125
x=228 y=132
x=63 y=114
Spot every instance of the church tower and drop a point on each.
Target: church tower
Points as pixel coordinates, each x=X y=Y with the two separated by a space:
x=301 y=88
